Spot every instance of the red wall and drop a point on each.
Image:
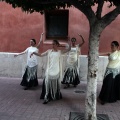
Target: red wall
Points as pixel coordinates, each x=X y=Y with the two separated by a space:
x=17 y=28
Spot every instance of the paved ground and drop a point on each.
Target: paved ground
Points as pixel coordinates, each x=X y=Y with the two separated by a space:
x=19 y=104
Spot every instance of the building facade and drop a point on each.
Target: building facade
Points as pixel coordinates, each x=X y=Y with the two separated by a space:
x=18 y=27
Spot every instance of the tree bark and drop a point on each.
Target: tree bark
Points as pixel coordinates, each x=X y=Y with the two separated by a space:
x=93 y=57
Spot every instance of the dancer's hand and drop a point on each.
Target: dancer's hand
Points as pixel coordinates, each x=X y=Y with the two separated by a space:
x=80 y=35
x=42 y=33
x=31 y=54
x=41 y=37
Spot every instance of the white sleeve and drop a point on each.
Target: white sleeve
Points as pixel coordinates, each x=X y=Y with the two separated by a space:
x=45 y=53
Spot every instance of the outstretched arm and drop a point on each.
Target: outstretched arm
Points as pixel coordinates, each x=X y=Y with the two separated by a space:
x=107 y=53
x=83 y=41
x=39 y=54
x=38 y=46
x=21 y=53
x=35 y=53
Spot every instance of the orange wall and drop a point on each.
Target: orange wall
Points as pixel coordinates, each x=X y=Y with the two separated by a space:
x=17 y=28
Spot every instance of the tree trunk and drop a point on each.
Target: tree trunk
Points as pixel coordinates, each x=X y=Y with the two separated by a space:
x=93 y=56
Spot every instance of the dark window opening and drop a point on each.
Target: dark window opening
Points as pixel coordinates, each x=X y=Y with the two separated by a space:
x=56 y=24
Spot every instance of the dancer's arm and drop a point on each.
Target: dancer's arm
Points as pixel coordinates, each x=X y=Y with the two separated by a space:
x=102 y=54
x=21 y=53
x=83 y=41
x=41 y=38
x=39 y=54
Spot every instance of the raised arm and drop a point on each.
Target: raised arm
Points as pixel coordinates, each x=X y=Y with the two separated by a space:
x=68 y=49
x=83 y=41
x=38 y=46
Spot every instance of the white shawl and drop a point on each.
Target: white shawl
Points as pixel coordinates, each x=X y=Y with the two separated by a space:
x=60 y=66
x=114 y=60
x=114 y=64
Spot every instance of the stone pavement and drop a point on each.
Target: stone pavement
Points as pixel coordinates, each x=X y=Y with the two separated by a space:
x=19 y=104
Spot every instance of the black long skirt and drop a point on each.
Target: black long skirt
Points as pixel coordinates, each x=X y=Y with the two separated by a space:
x=108 y=90
x=71 y=77
x=29 y=78
x=49 y=96
x=117 y=82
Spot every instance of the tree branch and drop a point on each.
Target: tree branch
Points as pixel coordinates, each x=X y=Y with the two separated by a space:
x=108 y=18
x=99 y=8
x=86 y=9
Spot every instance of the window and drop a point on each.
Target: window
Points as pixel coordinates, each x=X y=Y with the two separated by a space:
x=56 y=24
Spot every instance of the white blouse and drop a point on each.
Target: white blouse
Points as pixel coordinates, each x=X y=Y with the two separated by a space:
x=114 y=60
x=72 y=56
x=31 y=61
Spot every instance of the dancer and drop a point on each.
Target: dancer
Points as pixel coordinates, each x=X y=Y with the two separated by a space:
x=110 y=91
x=53 y=75
x=29 y=78
x=71 y=75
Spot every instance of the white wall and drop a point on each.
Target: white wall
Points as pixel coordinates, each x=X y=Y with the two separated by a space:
x=14 y=67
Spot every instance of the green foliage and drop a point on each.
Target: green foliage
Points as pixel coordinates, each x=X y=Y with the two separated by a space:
x=41 y=5
x=37 y=5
